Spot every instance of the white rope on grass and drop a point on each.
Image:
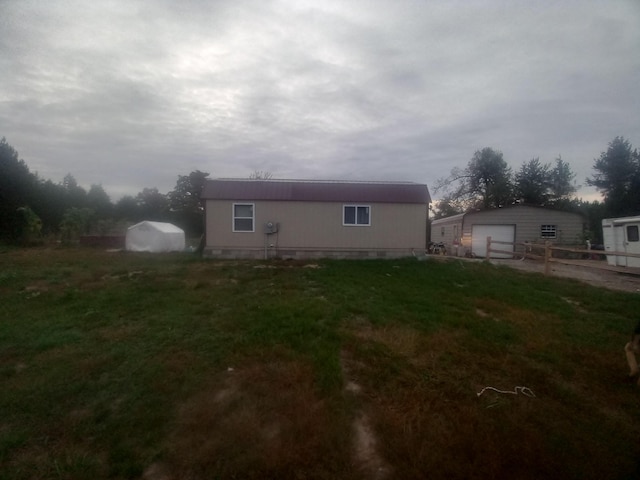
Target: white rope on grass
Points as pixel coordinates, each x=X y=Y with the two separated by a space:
x=523 y=390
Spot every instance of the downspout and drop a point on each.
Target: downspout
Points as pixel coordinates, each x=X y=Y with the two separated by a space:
x=203 y=237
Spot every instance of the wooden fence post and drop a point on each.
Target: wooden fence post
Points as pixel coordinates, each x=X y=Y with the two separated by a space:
x=547 y=255
x=488 y=248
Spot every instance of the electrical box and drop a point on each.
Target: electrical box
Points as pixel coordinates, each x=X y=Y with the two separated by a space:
x=271 y=228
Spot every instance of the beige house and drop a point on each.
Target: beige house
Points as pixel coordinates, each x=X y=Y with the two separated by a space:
x=466 y=234
x=314 y=219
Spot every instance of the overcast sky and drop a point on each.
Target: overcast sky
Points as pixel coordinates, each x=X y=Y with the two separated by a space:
x=131 y=94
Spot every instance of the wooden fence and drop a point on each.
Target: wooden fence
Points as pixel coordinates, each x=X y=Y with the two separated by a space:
x=545 y=252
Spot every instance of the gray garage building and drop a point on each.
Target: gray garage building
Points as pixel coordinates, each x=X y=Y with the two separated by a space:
x=467 y=233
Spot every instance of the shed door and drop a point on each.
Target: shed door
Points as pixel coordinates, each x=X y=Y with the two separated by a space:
x=502 y=233
x=632 y=243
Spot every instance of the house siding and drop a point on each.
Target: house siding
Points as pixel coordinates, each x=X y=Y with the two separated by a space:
x=315 y=229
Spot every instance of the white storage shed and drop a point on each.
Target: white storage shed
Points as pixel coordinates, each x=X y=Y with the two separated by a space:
x=154 y=237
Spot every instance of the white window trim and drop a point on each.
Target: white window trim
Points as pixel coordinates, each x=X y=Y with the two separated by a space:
x=345 y=224
x=550 y=229
x=233 y=217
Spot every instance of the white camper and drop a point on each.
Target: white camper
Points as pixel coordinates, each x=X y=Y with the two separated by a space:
x=622 y=235
x=154 y=237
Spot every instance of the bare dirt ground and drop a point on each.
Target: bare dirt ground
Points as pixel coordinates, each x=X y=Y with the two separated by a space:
x=627 y=281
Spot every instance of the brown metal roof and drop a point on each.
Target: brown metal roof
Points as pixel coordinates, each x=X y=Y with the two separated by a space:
x=316 y=191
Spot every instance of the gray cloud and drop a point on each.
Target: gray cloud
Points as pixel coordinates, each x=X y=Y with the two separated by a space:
x=133 y=94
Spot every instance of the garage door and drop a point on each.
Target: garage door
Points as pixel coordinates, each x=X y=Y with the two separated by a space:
x=502 y=233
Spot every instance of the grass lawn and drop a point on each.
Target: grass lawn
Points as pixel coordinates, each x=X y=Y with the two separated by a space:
x=120 y=365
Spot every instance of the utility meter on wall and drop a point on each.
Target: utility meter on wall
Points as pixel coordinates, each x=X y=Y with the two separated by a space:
x=270 y=227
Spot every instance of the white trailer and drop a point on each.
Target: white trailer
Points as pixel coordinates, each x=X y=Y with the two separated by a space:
x=622 y=236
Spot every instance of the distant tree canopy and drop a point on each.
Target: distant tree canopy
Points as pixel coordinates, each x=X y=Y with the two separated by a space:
x=532 y=182
x=19 y=199
x=75 y=222
x=488 y=182
x=151 y=205
x=484 y=183
x=31 y=208
x=541 y=184
x=98 y=200
x=489 y=178
x=617 y=177
x=185 y=204
x=261 y=175
x=30 y=228
x=562 y=182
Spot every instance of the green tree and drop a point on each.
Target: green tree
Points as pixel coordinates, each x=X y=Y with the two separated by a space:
x=51 y=203
x=484 y=183
x=445 y=208
x=75 y=222
x=152 y=205
x=98 y=201
x=617 y=177
x=25 y=197
x=185 y=203
x=18 y=188
x=53 y=200
x=491 y=178
x=561 y=182
x=543 y=185
x=127 y=209
x=594 y=212
x=76 y=196
x=31 y=228
x=532 y=182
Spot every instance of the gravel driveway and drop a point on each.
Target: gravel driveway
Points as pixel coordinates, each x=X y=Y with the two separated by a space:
x=628 y=281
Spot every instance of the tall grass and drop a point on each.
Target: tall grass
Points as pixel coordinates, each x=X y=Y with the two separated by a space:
x=119 y=365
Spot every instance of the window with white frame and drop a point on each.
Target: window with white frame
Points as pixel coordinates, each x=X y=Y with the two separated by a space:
x=356 y=215
x=243 y=217
x=547 y=231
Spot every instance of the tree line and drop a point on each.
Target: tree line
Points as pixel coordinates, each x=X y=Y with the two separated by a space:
x=488 y=182
x=32 y=208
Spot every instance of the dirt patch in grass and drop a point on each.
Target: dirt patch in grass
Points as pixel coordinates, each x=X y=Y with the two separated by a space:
x=261 y=420
x=401 y=339
x=366 y=450
x=366 y=454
